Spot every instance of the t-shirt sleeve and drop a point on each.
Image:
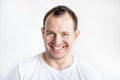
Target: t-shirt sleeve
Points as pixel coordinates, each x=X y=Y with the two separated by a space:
x=91 y=73
x=13 y=74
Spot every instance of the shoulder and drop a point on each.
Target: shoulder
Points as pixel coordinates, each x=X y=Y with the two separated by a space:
x=13 y=74
x=30 y=65
x=30 y=61
x=82 y=64
x=87 y=70
x=25 y=68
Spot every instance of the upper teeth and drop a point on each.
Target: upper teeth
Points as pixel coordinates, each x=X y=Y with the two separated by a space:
x=57 y=48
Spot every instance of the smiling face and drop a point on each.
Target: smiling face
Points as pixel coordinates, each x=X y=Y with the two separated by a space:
x=59 y=35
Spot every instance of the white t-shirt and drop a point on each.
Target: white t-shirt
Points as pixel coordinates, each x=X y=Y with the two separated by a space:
x=36 y=69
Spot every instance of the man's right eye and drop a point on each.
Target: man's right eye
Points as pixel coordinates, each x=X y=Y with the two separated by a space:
x=49 y=33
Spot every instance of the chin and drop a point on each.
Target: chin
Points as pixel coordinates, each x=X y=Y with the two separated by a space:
x=58 y=57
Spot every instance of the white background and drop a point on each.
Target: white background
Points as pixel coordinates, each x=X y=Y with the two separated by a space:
x=98 y=43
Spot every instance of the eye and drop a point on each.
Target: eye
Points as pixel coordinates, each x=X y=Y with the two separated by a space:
x=66 y=35
x=49 y=33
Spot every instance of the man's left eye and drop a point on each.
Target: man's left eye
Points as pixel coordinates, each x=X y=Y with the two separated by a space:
x=66 y=35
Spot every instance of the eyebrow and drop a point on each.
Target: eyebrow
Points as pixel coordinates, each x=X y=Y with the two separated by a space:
x=66 y=32
x=62 y=32
x=49 y=31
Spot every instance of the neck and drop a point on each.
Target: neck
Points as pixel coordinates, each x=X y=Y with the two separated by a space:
x=59 y=64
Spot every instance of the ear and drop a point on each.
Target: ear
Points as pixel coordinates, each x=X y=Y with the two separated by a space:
x=76 y=34
x=43 y=32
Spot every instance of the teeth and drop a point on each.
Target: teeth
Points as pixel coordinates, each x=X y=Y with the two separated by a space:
x=57 y=48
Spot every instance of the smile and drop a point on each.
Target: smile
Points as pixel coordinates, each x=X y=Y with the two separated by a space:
x=57 y=47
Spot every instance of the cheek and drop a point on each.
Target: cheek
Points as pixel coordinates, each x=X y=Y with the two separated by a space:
x=47 y=39
x=69 y=42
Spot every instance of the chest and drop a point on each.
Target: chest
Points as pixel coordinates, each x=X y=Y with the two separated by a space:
x=46 y=74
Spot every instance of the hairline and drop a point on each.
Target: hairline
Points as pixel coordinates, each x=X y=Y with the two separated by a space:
x=66 y=10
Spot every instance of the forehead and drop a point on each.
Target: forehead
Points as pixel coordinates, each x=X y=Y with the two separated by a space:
x=57 y=23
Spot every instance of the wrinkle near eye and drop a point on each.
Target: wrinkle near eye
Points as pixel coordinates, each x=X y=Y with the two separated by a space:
x=65 y=35
x=50 y=33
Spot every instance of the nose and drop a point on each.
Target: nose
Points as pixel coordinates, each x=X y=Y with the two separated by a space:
x=57 y=40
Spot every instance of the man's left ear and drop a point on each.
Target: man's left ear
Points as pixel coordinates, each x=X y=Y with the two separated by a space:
x=77 y=32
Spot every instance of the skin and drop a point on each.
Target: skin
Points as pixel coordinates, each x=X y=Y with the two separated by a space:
x=59 y=36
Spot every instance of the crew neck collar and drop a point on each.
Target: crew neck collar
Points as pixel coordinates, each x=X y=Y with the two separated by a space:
x=56 y=70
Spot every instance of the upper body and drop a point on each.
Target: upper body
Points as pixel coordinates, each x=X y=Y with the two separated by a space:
x=59 y=33
x=36 y=68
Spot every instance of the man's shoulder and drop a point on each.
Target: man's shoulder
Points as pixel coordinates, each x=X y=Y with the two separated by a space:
x=25 y=68
x=32 y=60
x=87 y=70
x=81 y=62
x=83 y=65
x=30 y=64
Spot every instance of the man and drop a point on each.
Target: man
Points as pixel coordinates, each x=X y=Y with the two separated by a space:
x=59 y=32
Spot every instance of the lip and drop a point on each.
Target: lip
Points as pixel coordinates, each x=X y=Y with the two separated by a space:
x=57 y=48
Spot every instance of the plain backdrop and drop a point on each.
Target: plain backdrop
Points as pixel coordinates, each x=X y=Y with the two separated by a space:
x=98 y=43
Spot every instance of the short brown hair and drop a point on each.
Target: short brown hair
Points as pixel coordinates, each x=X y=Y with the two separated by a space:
x=60 y=10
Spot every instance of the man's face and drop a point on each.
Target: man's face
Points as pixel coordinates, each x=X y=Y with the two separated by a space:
x=59 y=36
